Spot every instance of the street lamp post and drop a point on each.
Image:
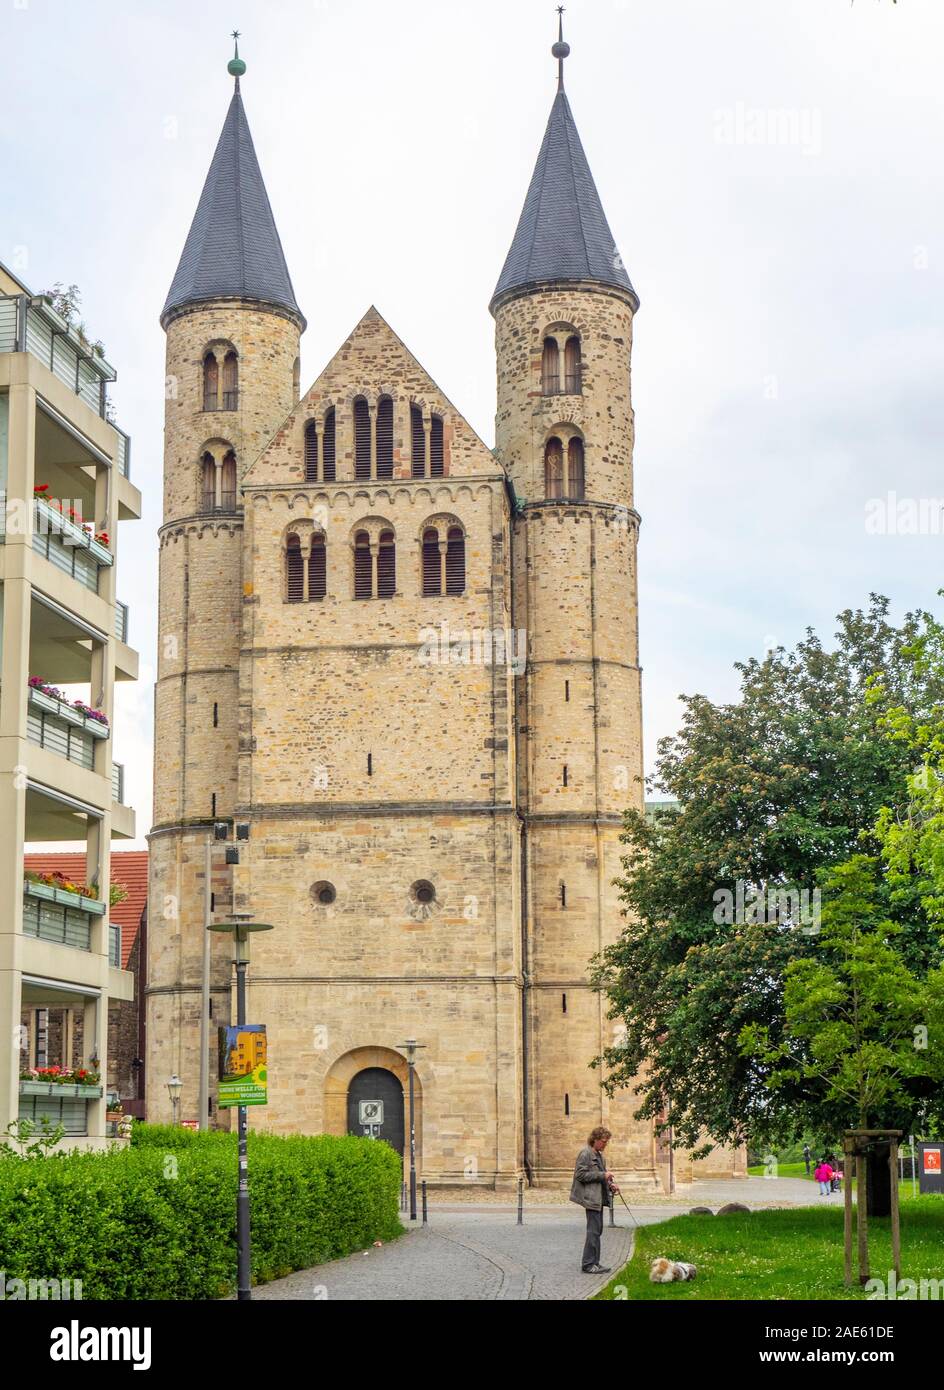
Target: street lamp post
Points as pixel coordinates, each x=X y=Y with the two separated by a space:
x=174 y=1088
x=411 y=1046
x=241 y=929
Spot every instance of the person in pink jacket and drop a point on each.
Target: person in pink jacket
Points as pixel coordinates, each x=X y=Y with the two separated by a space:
x=824 y=1176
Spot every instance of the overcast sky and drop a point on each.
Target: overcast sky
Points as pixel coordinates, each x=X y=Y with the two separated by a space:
x=772 y=173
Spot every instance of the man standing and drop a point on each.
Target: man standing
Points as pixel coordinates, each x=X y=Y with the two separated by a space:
x=592 y=1189
x=807 y=1155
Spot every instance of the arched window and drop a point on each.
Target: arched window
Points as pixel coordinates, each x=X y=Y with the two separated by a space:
x=294 y=570
x=211 y=382
x=228 y=483
x=311 y=452
x=230 y=381
x=328 y=448
x=432 y=567
x=387 y=566
x=572 y=384
x=417 y=442
x=575 y=471
x=363 y=568
x=455 y=561
x=361 y=438
x=436 y=455
x=553 y=468
x=296 y=378
x=317 y=569
x=208 y=477
x=550 y=368
x=385 y=437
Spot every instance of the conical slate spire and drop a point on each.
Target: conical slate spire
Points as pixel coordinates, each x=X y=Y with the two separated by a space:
x=563 y=235
x=233 y=249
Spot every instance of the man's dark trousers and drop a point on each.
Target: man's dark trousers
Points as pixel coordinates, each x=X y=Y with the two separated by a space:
x=591 y=1246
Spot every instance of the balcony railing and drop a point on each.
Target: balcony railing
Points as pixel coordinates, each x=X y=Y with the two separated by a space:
x=118 y=783
x=124 y=451
x=114 y=944
x=52 y=724
x=29 y=324
x=68 y=546
x=48 y=915
x=60 y=1105
x=121 y=621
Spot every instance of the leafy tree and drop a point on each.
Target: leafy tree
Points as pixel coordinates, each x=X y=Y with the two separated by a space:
x=860 y=1028
x=772 y=789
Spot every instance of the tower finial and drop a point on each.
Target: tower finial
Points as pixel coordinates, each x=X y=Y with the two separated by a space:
x=560 y=49
x=236 y=67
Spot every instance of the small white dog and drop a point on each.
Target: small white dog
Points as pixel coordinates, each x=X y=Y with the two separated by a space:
x=665 y=1271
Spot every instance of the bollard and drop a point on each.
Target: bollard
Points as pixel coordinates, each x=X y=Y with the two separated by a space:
x=521 y=1201
x=403 y=1197
x=612 y=1211
x=424 y=1201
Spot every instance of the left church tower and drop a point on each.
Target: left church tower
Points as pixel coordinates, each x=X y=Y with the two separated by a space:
x=233 y=328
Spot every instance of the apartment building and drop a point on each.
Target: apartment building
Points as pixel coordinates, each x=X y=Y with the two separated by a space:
x=64 y=476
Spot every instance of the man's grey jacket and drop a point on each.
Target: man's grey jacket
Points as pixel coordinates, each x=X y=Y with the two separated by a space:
x=589 y=1186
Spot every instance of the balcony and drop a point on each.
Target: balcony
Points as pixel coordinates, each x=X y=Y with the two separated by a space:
x=53 y=723
x=52 y=913
x=121 y=621
x=68 y=545
x=29 y=324
x=58 y=1102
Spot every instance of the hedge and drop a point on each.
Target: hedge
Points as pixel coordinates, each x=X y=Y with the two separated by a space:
x=156 y=1220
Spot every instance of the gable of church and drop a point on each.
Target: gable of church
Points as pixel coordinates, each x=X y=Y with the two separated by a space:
x=372 y=362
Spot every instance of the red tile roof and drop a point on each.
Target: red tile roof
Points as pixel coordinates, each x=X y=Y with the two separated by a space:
x=129 y=867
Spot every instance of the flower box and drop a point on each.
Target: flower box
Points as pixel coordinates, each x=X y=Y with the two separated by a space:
x=97 y=728
x=70 y=899
x=62 y=895
x=101 y=552
x=68 y=715
x=70 y=532
x=40 y=890
x=43 y=701
x=67 y=1090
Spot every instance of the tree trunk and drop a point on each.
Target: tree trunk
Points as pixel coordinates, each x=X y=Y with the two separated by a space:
x=879 y=1182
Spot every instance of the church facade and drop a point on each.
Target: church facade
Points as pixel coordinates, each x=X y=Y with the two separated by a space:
x=401 y=668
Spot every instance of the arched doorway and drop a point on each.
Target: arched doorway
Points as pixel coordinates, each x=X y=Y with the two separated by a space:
x=342 y=1073
x=375 y=1106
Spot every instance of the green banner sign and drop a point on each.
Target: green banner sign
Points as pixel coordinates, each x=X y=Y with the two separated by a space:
x=243 y=1064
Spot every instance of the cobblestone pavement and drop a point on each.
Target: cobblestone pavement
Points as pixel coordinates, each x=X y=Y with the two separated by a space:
x=476 y=1251
x=472 y=1257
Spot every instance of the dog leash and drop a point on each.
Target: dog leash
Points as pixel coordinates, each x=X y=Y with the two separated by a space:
x=626 y=1205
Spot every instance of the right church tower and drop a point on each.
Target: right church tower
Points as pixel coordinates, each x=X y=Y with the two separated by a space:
x=563 y=309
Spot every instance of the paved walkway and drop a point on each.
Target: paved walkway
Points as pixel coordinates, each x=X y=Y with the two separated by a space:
x=476 y=1250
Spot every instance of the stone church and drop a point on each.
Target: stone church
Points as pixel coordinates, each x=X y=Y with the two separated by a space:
x=401 y=669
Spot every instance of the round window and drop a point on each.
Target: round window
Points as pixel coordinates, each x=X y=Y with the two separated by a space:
x=323 y=893
x=423 y=891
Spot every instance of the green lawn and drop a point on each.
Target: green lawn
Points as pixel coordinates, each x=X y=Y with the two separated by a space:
x=784 y=1170
x=798 y=1170
x=791 y=1253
